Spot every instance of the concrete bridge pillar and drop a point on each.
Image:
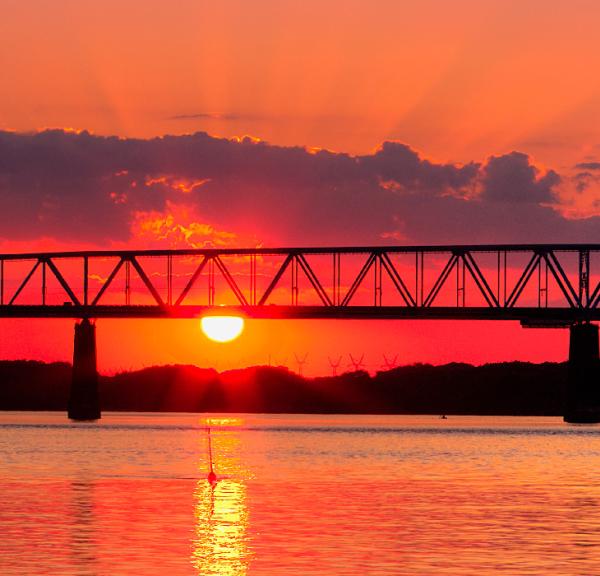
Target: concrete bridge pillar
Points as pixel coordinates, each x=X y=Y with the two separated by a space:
x=84 y=403
x=583 y=389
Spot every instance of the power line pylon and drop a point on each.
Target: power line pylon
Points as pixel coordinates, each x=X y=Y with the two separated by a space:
x=357 y=364
x=334 y=365
x=301 y=362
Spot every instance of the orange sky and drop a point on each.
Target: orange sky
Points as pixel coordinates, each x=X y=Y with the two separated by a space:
x=457 y=81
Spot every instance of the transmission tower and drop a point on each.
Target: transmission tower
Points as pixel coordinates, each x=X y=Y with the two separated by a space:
x=334 y=365
x=301 y=362
x=357 y=364
x=390 y=363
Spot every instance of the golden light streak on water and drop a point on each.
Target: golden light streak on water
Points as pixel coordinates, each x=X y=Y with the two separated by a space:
x=220 y=509
x=221 y=514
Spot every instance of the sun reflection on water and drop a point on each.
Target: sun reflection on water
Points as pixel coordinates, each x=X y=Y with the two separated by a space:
x=220 y=545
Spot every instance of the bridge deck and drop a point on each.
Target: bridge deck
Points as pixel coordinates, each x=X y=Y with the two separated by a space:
x=540 y=316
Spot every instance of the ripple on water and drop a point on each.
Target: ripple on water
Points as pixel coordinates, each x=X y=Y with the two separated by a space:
x=298 y=495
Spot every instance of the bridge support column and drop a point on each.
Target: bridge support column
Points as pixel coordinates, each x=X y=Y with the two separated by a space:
x=583 y=389
x=84 y=403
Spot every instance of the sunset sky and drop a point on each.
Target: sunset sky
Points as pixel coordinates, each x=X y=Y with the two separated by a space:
x=296 y=123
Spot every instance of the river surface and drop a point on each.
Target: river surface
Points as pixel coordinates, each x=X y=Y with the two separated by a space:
x=322 y=495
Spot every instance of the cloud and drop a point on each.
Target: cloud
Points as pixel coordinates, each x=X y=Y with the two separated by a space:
x=87 y=188
x=210 y=116
x=588 y=165
x=511 y=178
x=398 y=163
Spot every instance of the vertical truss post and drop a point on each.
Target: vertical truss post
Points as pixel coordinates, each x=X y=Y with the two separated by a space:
x=336 y=279
x=295 y=280
x=505 y=273
x=584 y=278
x=422 y=277
x=43 y=282
x=334 y=282
x=546 y=284
x=170 y=280
x=211 y=282
x=417 y=299
x=419 y=274
x=86 y=270
x=127 y=282
x=460 y=281
x=543 y=283
x=498 y=274
x=377 y=292
x=253 y=279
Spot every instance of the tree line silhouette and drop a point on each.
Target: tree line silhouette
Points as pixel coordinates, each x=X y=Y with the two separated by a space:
x=504 y=388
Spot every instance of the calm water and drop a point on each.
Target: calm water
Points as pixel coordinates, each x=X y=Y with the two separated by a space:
x=298 y=495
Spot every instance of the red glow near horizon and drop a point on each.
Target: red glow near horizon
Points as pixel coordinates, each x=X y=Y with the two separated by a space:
x=460 y=84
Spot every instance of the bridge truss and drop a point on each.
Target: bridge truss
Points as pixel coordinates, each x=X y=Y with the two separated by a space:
x=539 y=285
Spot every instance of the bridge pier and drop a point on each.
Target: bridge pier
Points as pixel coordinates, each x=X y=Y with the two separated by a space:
x=84 y=403
x=583 y=389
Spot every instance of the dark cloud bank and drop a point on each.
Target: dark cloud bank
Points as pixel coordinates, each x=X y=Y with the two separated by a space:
x=77 y=186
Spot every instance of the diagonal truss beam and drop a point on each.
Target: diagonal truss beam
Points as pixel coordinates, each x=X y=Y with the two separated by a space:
x=523 y=280
x=389 y=267
x=595 y=297
x=191 y=281
x=440 y=281
x=147 y=282
x=24 y=283
x=108 y=282
x=62 y=281
x=276 y=279
x=358 y=280
x=562 y=279
x=312 y=277
x=231 y=281
x=480 y=280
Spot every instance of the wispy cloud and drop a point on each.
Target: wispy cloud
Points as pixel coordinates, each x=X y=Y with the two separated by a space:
x=588 y=165
x=212 y=116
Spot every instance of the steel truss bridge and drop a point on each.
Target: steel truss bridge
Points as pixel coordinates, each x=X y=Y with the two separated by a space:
x=538 y=285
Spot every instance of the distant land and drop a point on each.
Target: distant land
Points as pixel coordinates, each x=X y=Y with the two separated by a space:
x=512 y=388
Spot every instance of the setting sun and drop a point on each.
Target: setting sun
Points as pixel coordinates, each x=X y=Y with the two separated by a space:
x=222 y=328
